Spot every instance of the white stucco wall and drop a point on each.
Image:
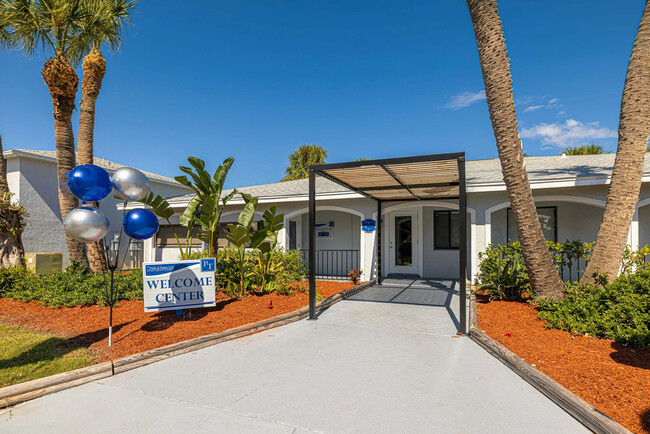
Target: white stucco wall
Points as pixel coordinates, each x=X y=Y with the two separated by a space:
x=440 y=263
x=13 y=177
x=39 y=194
x=579 y=211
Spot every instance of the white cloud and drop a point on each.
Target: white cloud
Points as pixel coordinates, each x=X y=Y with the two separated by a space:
x=465 y=99
x=569 y=133
x=551 y=103
x=532 y=108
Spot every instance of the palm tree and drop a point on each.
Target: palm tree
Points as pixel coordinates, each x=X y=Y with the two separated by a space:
x=56 y=26
x=301 y=159
x=592 y=149
x=102 y=23
x=12 y=223
x=495 y=64
x=5 y=39
x=627 y=173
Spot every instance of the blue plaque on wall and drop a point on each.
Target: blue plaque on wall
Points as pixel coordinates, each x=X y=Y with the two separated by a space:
x=368 y=225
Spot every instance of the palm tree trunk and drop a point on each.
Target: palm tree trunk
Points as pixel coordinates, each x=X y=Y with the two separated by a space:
x=62 y=82
x=12 y=223
x=627 y=174
x=94 y=67
x=495 y=64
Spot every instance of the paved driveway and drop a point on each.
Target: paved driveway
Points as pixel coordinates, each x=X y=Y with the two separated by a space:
x=385 y=361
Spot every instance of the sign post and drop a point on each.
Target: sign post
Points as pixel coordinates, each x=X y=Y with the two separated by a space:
x=179 y=285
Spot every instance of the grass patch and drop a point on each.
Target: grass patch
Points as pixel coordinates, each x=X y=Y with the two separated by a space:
x=27 y=355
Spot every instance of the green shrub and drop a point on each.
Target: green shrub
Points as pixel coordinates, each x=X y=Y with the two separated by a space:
x=284 y=269
x=10 y=277
x=502 y=272
x=619 y=310
x=196 y=255
x=72 y=287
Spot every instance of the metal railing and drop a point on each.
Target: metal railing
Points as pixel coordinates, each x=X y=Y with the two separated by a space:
x=571 y=268
x=334 y=264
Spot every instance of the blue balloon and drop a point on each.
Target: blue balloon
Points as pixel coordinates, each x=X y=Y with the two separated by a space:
x=140 y=224
x=89 y=183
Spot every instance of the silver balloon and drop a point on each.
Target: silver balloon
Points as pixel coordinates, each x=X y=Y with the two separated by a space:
x=87 y=224
x=130 y=183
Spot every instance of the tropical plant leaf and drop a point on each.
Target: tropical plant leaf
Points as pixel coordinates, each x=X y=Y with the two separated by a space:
x=203 y=175
x=265 y=247
x=201 y=188
x=204 y=235
x=188 y=217
x=247 y=214
x=247 y=197
x=197 y=163
x=258 y=238
x=158 y=205
x=222 y=171
x=271 y=221
x=238 y=235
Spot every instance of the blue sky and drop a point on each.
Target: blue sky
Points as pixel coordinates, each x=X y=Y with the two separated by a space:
x=373 y=79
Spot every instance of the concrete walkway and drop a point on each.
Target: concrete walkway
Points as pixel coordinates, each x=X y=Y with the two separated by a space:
x=385 y=361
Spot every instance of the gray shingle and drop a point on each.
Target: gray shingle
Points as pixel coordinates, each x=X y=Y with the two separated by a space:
x=478 y=172
x=109 y=165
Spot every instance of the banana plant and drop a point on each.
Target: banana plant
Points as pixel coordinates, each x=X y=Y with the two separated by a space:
x=271 y=222
x=240 y=235
x=207 y=204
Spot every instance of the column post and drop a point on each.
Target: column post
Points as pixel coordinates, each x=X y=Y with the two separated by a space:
x=312 y=245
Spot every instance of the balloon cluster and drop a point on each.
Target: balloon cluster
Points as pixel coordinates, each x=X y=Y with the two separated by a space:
x=91 y=183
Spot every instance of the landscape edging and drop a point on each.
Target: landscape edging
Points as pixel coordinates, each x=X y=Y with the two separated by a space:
x=12 y=395
x=577 y=407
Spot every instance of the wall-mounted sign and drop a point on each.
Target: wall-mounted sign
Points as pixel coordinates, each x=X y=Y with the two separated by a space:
x=368 y=225
x=178 y=285
x=325 y=230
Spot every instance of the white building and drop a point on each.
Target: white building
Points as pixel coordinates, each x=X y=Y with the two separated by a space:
x=33 y=181
x=570 y=192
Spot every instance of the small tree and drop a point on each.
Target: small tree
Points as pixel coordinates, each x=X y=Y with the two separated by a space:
x=12 y=223
x=242 y=236
x=205 y=207
x=301 y=159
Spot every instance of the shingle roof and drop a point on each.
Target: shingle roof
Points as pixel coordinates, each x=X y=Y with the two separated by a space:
x=479 y=172
x=108 y=165
x=546 y=168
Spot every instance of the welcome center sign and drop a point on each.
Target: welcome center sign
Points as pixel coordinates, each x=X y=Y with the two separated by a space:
x=179 y=285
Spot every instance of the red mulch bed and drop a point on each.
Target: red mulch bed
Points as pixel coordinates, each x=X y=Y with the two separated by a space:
x=611 y=376
x=135 y=331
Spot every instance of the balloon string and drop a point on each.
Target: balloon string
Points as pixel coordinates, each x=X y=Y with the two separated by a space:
x=119 y=239
x=113 y=267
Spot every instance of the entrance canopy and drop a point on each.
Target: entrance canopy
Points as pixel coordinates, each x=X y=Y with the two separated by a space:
x=425 y=177
x=396 y=179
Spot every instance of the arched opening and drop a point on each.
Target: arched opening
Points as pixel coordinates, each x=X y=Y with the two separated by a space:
x=338 y=239
x=563 y=218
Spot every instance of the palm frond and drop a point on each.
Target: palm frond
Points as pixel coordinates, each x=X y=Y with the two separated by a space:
x=71 y=27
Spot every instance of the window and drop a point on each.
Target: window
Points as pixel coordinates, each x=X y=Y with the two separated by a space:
x=165 y=236
x=446 y=230
x=547 y=217
x=293 y=236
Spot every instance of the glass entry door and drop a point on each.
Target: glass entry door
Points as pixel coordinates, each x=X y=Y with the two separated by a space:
x=403 y=241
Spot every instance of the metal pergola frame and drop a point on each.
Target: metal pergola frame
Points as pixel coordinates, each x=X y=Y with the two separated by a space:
x=367 y=192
